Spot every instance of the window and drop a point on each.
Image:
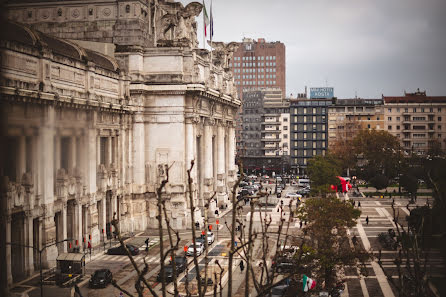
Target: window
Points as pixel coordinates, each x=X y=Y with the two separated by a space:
x=285 y=136
x=398 y=118
x=368 y=126
x=397 y=127
x=439 y=119
x=389 y=127
x=406 y=109
x=414 y=109
x=390 y=110
x=389 y=119
x=285 y=128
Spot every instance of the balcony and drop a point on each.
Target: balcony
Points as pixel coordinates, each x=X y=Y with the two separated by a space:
x=271 y=139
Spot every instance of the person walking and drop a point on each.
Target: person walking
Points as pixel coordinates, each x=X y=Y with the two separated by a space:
x=242 y=266
x=300 y=224
x=359 y=204
x=367 y=220
x=147 y=243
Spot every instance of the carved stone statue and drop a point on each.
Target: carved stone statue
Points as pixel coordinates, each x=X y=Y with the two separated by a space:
x=179 y=25
x=223 y=52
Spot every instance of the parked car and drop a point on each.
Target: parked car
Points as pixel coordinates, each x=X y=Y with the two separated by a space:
x=252 y=176
x=199 y=248
x=180 y=266
x=293 y=196
x=283 y=265
x=119 y=250
x=279 y=291
x=211 y=237
x=100 y=278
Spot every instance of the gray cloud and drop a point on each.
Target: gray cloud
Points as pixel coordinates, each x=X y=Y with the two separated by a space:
x=371 y=47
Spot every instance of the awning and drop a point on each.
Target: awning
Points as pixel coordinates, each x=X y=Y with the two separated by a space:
x=75 y=257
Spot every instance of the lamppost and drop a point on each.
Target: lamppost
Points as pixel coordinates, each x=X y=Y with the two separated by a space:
x=40 y=256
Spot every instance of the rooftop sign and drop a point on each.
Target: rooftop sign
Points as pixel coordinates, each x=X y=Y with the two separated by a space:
x=321 y=93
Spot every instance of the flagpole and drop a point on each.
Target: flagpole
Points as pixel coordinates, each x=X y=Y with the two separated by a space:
x=204 y=26
x=211 y=29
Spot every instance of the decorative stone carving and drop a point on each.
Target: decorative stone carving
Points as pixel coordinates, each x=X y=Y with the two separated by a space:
x=223 y=52
x=179 y=27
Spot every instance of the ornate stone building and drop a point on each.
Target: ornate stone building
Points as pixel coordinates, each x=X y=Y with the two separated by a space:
x=97 y=99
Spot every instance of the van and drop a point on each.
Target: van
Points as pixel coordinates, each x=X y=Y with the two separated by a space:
x=303 y=182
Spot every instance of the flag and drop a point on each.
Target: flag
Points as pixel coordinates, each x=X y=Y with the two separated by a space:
x=211 y=31
x=205 y=19
x=308 y=283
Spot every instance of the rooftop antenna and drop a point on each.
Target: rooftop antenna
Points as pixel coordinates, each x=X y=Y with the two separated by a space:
x=356 y=95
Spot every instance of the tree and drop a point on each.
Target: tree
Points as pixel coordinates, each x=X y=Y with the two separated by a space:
x=328 y=220
x=409 y=184
x=379 y=150
x=323 y=171
x=379 y=181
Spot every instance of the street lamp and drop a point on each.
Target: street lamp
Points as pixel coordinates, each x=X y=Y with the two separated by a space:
x=40 y=256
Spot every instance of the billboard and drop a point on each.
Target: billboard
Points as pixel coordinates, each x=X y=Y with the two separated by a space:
x=321 y=93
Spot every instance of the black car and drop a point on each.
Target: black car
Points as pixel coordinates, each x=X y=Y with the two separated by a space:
x=101 y=278
x=283 y=265
x=119 y=250
x=180 y=265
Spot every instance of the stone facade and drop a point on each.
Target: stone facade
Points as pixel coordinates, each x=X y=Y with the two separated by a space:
x=89 y=136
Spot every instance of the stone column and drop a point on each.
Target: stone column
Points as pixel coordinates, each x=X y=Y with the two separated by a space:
x=231 y=154
x=208 y=159
x=221 y=178
x=47 y=161
x=91 y=159
x=138 y=150
x=29 y=253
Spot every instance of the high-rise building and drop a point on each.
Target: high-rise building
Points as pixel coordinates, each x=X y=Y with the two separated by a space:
x=256 y=65
x=308 y=130
x=259 y=64
x=417 y=120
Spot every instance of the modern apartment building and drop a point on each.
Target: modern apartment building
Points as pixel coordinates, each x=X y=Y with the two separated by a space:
x=265 y=131
x=347 y=116
x=416 y=119
x=259 y=64
x=308 y=130
x=255 y=65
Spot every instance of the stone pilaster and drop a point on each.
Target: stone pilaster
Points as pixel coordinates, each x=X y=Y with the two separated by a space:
x=29 y=253
x=208 y=159
x=138 y=150
x=8 y=251
x=221 y=178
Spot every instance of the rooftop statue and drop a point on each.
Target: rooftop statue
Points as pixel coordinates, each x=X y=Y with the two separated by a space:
x=178 y=27
x=223 y=52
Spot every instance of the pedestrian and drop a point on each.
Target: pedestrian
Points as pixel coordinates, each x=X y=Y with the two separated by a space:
x=354 y=203
x=354 y=239
x=359 y=204
x=147 y=243
x=367 y=220
x=300 y=224
x=242 y=266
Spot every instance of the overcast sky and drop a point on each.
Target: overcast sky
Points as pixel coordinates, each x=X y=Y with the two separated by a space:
x=363 y=47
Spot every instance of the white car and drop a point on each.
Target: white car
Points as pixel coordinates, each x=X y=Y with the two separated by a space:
x=293 y=195
x=199 y=248
x=211 y=238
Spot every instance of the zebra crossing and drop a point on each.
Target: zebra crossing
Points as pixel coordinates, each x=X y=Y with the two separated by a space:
x=122 y=259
